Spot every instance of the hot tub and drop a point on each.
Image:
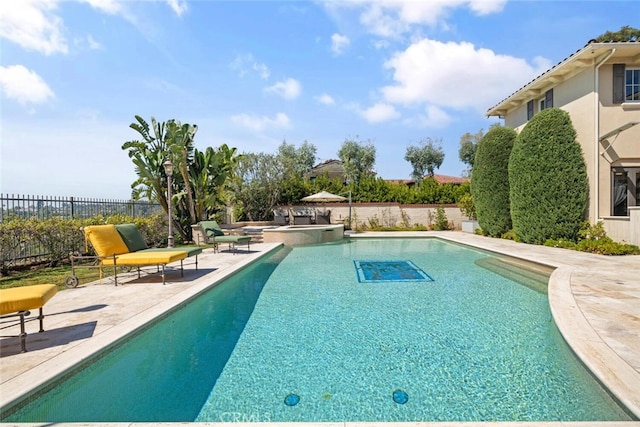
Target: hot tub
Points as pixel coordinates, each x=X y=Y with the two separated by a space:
x=295 y=235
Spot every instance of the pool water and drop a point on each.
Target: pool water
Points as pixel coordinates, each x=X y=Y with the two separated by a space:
x=299 y=337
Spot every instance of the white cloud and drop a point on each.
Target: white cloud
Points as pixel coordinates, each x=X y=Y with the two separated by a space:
x=339 y=43
x=87 y=42
x=178 y=6
x=22 y=85
x=380 y=112
x=33 y=25
x=434 y=117
x=111 y=7
x=392 y=18
x=380 y=44
x=288 y=89
x=260 y=123
x=92 y=43
x=455 y=75
x=245 y=63
x=382 y=24
x=325 y=99
x=261 y=69
x=485 y=7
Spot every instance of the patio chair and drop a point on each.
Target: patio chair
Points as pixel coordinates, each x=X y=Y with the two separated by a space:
x=323 y=218
x=136 y=243
x=215 y=235
x=112 y=251
x=280 y=217
x=16 y=302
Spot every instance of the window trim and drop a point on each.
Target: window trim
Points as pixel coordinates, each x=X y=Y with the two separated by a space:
x=628 y=84
x=632 y=174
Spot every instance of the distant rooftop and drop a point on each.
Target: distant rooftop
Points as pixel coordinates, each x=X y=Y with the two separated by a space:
x=441 y=179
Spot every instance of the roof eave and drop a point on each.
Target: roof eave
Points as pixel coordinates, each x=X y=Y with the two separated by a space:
x=583 y=58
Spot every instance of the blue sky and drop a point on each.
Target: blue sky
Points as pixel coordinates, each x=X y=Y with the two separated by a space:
x=73 y=74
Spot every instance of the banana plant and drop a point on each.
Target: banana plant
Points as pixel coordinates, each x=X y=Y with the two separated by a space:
x=148 y=156
x=200 y=178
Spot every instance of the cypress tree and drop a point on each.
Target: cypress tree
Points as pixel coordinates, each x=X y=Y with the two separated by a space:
x=490 y=180
x=547 y=179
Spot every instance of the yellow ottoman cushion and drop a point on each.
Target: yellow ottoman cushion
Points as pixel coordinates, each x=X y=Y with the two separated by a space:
x=25 y=297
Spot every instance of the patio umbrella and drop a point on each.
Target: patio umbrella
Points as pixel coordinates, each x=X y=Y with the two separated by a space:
x=323 y=197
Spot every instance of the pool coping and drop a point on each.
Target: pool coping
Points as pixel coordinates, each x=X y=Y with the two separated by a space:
x=622 y=380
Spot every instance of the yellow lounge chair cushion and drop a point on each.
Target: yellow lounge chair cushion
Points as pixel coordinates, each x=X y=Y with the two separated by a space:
x=106 y=240
x=146 y=258
x=25 y=297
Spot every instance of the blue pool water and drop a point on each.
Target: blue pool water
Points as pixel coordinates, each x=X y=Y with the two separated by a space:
x=299 y=337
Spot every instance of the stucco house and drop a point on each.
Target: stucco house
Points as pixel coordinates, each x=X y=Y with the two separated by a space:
x=333 y=168
x=599 y=86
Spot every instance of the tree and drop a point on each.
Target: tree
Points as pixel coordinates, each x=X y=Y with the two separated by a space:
x=490 y=181
x=358 y=159
x=258 y=185
x=625 y=34
x=547 y=179
x=299 y=160
x=468 y=147
x=148 y=156
x=210 y=174
x=425 y=158
x=198 y=179
x=180 y=143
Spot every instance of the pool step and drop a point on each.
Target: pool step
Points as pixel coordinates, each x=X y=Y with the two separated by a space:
x=531 y=275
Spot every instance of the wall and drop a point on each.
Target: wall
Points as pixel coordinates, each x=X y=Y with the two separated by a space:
x=387 y=214
x=624 y=229
x=620 y=150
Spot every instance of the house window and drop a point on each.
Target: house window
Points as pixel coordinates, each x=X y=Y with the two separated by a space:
x=625 y=190
x=632 y=84
x=541 y=104
x=547 y=101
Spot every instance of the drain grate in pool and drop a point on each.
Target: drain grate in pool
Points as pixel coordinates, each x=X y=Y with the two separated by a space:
x=390 y=271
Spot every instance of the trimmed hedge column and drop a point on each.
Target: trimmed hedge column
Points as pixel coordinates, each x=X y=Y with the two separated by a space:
x=490 y=180
x=547 y=179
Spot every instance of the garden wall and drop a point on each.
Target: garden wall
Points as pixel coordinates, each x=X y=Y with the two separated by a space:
x=385 y=214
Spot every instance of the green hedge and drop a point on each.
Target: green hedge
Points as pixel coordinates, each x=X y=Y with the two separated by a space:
x=547 y=179
x=490 y=180
x=56 y=237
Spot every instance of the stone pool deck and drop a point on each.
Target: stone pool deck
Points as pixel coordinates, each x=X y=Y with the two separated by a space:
x=595 y=301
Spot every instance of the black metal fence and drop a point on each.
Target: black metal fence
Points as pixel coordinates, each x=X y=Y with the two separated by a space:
x=43 y=207
x=71 y=207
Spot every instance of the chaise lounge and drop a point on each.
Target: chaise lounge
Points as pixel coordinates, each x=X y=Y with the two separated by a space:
x=112 y=251
x=213 y=234
x=16 y=302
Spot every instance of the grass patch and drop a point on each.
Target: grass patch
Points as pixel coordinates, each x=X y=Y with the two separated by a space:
x=37 y=275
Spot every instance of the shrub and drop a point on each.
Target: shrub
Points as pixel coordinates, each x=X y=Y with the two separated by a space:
x=13 y=234
x=58 y=236
x=490 y=180
x=467 y=206
x=606 y=246
x=441 y=222
x=547 y=179
x=593 y=238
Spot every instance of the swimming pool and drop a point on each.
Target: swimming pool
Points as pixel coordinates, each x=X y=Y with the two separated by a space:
x=316 y=343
